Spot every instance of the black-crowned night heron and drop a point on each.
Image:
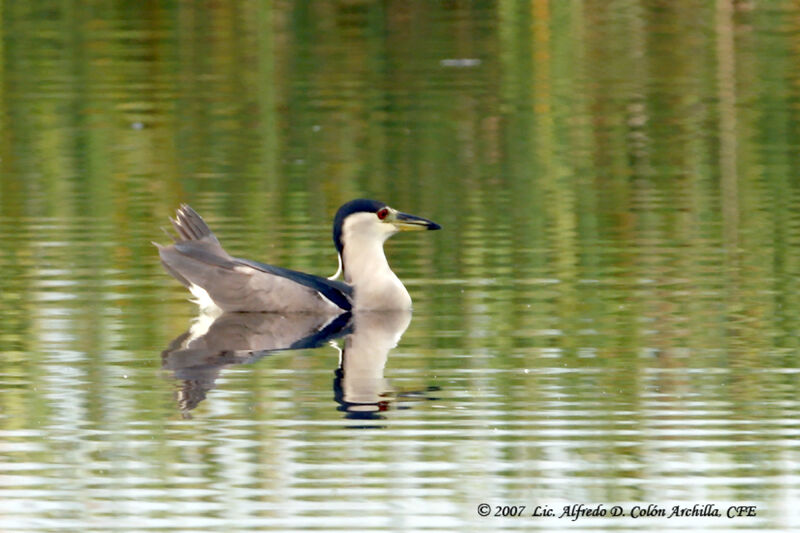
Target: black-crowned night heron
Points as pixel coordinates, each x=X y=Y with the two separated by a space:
x=360 y=227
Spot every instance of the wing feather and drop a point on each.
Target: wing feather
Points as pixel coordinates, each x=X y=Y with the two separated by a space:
x=197 y=258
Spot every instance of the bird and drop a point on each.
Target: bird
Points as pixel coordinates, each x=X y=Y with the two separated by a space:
x=223 y=283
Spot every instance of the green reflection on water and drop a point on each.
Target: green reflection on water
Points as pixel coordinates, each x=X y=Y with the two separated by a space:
x=618 y=191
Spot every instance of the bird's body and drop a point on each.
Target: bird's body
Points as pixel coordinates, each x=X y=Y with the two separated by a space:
x=230 y=284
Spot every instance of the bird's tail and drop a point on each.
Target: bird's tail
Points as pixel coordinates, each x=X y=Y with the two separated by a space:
x=194 y=250
x=190 y=225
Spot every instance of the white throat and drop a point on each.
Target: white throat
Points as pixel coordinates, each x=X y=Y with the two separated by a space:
x=365 y=266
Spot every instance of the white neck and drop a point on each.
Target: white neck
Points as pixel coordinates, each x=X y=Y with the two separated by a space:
x=366 y=268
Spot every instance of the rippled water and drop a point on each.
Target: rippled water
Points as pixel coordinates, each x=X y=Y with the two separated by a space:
x=609 y=316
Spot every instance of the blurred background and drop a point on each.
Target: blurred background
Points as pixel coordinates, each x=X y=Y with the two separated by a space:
x=610 y=314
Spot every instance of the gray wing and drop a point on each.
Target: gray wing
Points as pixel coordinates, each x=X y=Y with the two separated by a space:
x=197 y=259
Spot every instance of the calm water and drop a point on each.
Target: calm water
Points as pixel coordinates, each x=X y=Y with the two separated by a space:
x=610 y=315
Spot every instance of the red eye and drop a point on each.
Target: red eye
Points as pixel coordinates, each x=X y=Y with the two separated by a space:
x=382 y=213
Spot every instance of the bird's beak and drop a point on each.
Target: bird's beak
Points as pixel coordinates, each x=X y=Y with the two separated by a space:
x=406 y=222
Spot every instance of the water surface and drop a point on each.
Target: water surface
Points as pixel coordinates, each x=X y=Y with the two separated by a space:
x=609 y=316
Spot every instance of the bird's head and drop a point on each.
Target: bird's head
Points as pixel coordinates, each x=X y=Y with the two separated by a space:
x=370 y=220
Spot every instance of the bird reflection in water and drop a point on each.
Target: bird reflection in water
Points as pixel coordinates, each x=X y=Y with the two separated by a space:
x=197 y=357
